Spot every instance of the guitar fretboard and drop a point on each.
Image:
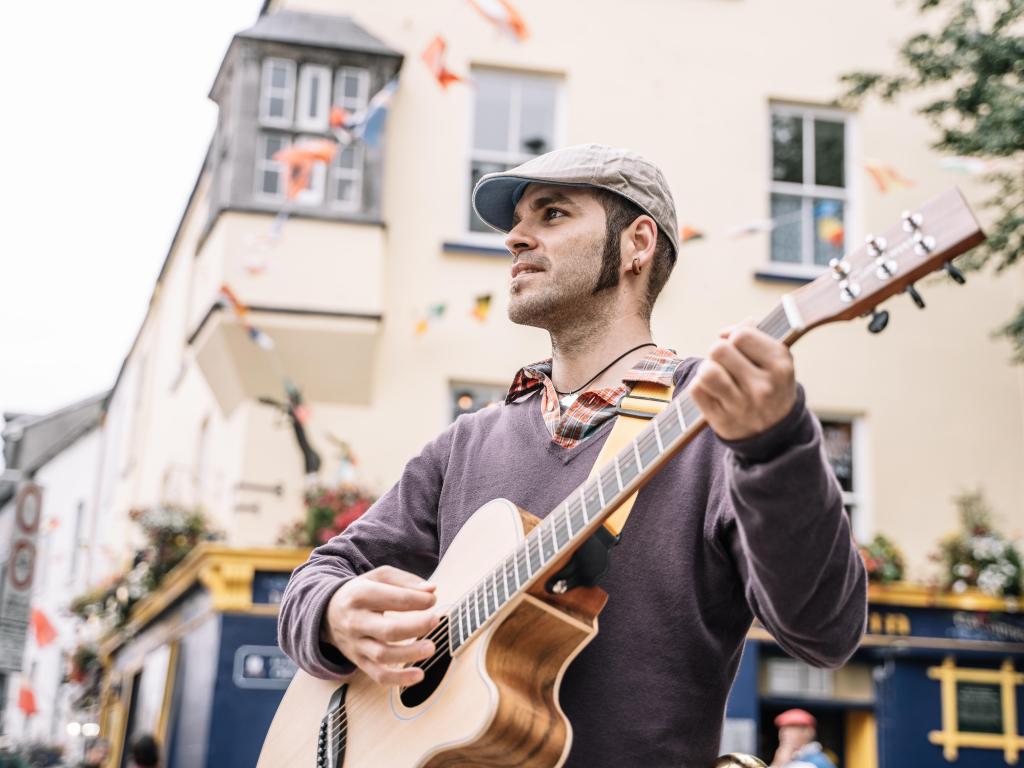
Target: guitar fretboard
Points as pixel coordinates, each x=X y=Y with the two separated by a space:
x=568 y=525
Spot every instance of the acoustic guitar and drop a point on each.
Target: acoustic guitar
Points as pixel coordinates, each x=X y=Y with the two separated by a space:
x=489 y=696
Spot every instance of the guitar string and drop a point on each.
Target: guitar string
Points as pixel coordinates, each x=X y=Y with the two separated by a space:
x=776 y=325
x=646 y=443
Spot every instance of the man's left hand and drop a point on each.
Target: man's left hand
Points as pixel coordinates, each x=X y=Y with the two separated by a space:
x=747 y=383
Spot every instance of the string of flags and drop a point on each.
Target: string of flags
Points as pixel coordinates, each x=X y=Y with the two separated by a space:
x=885 y=176
x=480 y=310
x=434 y=57
x=227 y=297
x=505 y=18
x=42 y=628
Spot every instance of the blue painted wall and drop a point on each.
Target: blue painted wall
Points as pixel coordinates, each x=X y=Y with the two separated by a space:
x=241 y=716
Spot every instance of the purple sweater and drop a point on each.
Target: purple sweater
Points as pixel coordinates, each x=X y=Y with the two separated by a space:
x=723 y=533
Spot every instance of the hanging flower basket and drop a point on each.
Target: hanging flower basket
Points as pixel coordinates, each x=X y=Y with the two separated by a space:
x=979 y=556
x=329 y=511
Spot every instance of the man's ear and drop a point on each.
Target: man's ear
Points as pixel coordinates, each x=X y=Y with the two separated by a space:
x=638 y=242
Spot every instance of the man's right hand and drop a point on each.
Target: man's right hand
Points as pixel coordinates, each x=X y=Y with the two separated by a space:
x=375 y=620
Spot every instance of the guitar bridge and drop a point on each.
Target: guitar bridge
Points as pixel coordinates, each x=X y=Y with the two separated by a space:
x=330 y=747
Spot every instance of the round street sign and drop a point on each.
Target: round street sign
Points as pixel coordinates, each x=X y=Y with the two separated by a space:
x=28 y=507
x=23 y=564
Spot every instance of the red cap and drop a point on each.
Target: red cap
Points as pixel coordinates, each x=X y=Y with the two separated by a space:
x=795 y=717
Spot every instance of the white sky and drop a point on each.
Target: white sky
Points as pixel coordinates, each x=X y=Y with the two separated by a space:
x=103 y=128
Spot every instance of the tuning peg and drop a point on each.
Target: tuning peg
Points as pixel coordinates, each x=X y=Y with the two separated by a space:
x=878 y=321
x=956 y=274
x=912 y=291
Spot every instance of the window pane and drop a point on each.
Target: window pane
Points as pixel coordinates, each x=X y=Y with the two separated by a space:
x=351 y=86
x=347 y=158
x=829 y=235
x=278 y=76
x=272 y=144
x=537 y=121
x=270 y=182
x=276 y=106
x=468 y=398
x=478 y=169
x=828 y=153
x=314 y=96
x=839 y=448
x=787 y=148
x=786 y=230
x=344 y=190
x=492 y=112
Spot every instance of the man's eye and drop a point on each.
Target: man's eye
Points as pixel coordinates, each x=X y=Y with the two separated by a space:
x=549 y=211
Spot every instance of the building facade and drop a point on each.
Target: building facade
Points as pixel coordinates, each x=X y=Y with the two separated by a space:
x=376 y=284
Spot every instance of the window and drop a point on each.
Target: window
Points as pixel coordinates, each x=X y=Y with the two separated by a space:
x=809 y=195
x=314 y=98
x=270 y=181
x=352 y=89
x=277 y=92
x=345 y=186
x=313 y=194
x=843 y=441
x=469 y=398
x=514 y=119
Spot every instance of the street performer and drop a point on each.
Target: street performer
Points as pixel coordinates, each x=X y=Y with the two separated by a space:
x=746 y=521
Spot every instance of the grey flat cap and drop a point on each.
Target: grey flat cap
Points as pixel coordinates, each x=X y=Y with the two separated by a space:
x=588 y=165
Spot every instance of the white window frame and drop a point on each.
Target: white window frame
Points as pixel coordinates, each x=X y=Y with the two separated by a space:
x=862 y=522
x=304 y=120
x=359 y=103
x=496 y=239
x=263 y=163
x=354 y=174
x=287 y=93
x=848 y=195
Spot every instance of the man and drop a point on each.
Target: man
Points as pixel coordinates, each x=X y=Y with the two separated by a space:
x=797 y=747
x=745 y=521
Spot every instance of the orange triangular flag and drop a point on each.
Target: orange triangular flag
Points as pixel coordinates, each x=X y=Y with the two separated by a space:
x=433 y=57
x=45 y=633
x=27 y=701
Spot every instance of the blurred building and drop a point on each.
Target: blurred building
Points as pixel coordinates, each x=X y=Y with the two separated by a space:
x=369 y=287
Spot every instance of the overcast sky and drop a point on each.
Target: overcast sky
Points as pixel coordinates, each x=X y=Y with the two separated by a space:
x=105 y=124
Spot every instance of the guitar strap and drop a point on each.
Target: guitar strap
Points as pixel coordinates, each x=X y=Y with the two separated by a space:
x=642 y=404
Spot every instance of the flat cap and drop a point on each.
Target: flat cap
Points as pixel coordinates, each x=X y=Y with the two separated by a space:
x=795 y=717
x=585 y=165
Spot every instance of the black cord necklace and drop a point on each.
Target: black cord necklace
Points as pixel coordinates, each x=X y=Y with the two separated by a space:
x=613 y=362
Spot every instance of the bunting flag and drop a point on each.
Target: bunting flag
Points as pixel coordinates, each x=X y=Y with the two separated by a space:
x=43 y=629
x=969 y=166
x=502 y=15
x=27 y=701
x=433 y=57
x=687 y=233
x=830 y=230
x=421 y=326
x=753 y=227
x=437 y=310
x=299 y=159
x=368 y=125
x=482 y=307
x=228 y=297
x=885 y=176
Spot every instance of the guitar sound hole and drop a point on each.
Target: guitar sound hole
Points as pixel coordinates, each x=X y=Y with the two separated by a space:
x=434 y=670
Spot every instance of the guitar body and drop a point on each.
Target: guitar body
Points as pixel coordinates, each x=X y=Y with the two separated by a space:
x=495 y=705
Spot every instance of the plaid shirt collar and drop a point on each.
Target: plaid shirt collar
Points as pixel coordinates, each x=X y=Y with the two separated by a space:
x=592 y=408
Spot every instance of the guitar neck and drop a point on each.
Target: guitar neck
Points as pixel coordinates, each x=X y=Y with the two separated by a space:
x=546 y=548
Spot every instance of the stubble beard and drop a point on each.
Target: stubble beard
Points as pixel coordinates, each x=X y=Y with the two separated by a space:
x=563 y=299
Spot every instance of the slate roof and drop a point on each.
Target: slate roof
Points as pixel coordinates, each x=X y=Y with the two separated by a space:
x=30 y=441
x=323 y=31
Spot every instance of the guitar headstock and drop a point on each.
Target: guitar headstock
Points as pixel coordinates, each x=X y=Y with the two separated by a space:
x=923 y=241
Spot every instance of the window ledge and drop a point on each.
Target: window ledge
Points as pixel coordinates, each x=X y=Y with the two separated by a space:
x=771 y=273
x=469 y=246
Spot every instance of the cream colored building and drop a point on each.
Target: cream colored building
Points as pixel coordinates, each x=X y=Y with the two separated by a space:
x=930 y=407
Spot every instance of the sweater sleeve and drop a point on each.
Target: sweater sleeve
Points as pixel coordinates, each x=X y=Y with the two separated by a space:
x=400 y=530
x=791 y=540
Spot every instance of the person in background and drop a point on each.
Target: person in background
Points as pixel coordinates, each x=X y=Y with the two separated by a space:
x=96 y=755
x=797 y=747
x=145 y=752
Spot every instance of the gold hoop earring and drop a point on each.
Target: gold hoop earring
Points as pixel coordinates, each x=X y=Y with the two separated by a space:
x=636 y=266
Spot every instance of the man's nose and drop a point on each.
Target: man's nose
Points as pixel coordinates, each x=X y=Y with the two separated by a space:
x=519 y=239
